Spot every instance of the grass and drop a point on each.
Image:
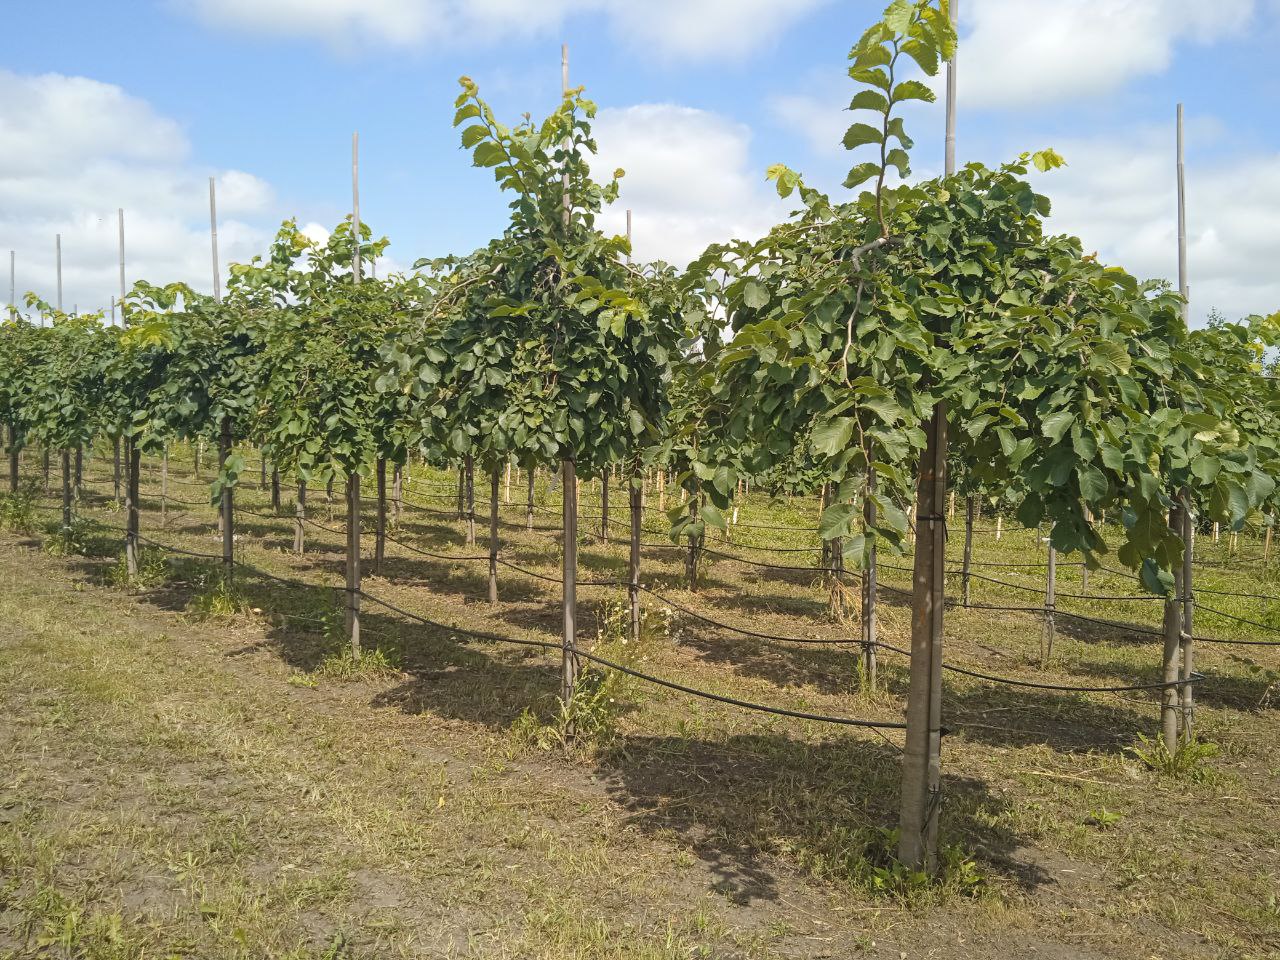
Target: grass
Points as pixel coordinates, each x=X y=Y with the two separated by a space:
x=233 y=785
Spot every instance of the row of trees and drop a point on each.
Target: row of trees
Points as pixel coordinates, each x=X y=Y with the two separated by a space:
x=871 y=346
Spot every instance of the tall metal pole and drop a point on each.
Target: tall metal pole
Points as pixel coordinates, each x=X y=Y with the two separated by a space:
x=921 y=761
x=57 y=254
x=13 y=286
x=1182 y=228
x=213 y=235
x=123 y=288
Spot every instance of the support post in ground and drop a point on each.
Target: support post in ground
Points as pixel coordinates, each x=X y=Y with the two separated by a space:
x=869 y=577
x=1170 y=701
x=966 y=567
x=300 y=518
x=569 y=597
x=353 y=562
x=493 y=537
x=134 y=463
x=228 y=525
x=380 y=528
x=633 y=579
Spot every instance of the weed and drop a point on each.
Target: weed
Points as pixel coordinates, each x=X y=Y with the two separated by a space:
x=1102 y=818
x=153 y=571
x=369 y=665
x=216 y=597
x=18 y=509
x=1188 y=762
x=68 y=541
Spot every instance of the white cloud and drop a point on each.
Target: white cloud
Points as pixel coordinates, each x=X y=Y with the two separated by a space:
x=1032 y=52
x=1120 y=199
x=671 y=28
x=76 y=150
x=689 y=180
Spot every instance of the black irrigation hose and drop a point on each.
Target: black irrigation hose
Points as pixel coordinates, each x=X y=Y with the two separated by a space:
x=649 y=678
x=1232 y=616
x=746 y=633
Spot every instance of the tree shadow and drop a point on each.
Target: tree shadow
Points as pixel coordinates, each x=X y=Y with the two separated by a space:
x=741 y=802
x=1066 y=722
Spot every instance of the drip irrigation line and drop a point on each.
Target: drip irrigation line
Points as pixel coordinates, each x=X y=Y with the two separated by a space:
x=649 y=678
x=742 y=630
x=1232 y=616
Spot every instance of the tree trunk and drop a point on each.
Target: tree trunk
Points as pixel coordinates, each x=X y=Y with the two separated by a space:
x=13 y=458
x=134 y=465
x=115 y=469
x=380 y=531
x=506 y=493
x=353 y=562
x=275 y=488
x=46 y=470
x=569 y=641
x=262 y=471
x=79 y=475
x=462 y=492
x=196 y=463
x=66 y=489
x=528 y=516
x=1169 y=697
x=1050 y=605
x=869 y=575
x=299 y=518
x=493 y=537
x=968 y=549
x=637 y=492
x=1188 y=607
x=397 y=494
x=604 y=506
x=921 y=762
x=228 y=526
x=164 y=486
x=691 y=558
x=471 y=500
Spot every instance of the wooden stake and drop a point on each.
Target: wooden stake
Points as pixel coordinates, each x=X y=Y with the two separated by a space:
x=637 y=487
x=869 y=576
x=1169 y=698
x=1050 y=605
x=967 y=564
x=1187 y=639
x=471 y=499
x=299 y=518
x=528 y=516
x=380 y=529
x=604 y=507
x=134 y=457
x=493 y=536
x=228 y=529
x=353 y=562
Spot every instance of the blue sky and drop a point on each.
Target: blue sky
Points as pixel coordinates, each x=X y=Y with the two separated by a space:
x=136 y=104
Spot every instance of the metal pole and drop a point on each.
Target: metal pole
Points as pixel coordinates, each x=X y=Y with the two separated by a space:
x=57 y=253
x=355 y=204
x=213 y=235
x=123 y=290
x=13 y=273
x=1182 y=229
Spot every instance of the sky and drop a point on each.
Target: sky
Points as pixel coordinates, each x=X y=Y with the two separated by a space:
x=135 y=104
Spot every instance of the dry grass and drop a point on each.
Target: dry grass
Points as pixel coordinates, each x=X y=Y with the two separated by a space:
x=175 y=784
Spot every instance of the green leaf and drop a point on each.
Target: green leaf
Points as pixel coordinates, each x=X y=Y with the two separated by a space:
x=832 y=436
x=754 y=294
x=912 y=90
x=860 y=134
x=835 y=520
x=870 y=100
x=473 y=135
x=1056 y=424
x=861 y=174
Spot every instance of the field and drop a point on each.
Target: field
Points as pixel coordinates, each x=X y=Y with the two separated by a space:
x=190 y=770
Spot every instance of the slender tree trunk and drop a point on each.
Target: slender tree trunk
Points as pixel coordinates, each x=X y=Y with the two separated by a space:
x=569 y=598
x=13 y=458
x=115 y=470
x=921 y=764
x=462 y=492
x=66 y=489
x=528 y=516
x=968 y=549
x=397 y=494
x=493 y=537
x=353 y=562
x=1188 y=639
x=134 y=461
x=79 y=475
x=869 y=576
x=691 y=558
x=45 y=451
x=275 y=488
x=506 y=493
x=471 y=500
x=196 y=463
x=262 y=470
x=380 y=531
x=637 y=493
x=1170 y=699
x=228 y=524
x=604 y=506
x=328 y=491
x=299 y=518
x=1050 y=605
x=164 y=486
